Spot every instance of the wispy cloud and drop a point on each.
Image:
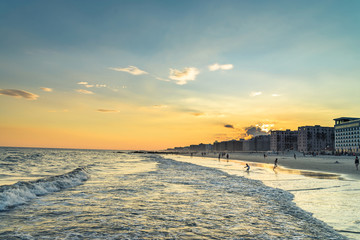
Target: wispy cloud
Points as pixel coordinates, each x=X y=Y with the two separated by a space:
x=162 y=79
x=197 y=114
x=216 y=66
x=275 y=95
x=182 y=77
x=131 y=69
x=18 y=94
x=159 y=106
x=82 y=83
x=84 y=91
x=45 y=89
x=254 y=94
x=107 y=110
x=228 y=126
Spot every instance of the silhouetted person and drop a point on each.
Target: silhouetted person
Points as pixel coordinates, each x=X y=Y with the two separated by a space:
x=357 y=163
x=275 y=163
x=219 y=157
x=227 y=157
x=247 y=167
x=295 y=156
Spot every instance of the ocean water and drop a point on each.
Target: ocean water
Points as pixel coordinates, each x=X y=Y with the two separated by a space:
x=331 y=198
x=78 y=194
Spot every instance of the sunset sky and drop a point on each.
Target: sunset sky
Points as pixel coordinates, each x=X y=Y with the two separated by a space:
x=159 y=74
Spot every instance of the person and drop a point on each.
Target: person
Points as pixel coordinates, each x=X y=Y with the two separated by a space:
x=295 y=156
x=357 y=163
x=219 y=157
x=275 y=163
x=247 y=167
x=227 y=157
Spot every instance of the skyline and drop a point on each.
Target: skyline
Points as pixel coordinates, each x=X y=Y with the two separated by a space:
x=153 y=75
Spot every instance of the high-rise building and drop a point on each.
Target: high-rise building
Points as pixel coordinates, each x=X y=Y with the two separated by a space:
x=315 y=138
x=347 y=135
x=283 y=140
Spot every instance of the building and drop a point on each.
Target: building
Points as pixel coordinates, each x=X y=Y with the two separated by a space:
x=347 y=135
x=249 y=145
x=283 y=140
x=315 y=139
x=231 y=146
x=201 y=147
x=262 y=143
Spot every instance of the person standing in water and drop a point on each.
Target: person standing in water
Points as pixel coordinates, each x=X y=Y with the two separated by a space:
x=247 y=167
x=357 y=163
x=275 y=163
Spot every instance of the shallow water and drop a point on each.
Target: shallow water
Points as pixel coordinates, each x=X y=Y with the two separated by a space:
x=331 y=198
x=73 y=194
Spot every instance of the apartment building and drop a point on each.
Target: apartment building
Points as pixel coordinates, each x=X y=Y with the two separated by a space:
x=347 y=135
x=315 y=139
x=283 y=140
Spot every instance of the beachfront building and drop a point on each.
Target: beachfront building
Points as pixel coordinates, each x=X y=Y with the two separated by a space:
x=201 y=147
x=315 y=139
x=283 y=140
x=262 y=143
x=228 y=146
x=347 y=135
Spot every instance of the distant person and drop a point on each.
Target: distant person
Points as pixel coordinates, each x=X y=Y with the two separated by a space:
x=227 y=157
x=357 y=163
x=247 y=167
x=295 y=156
x=264 y=155
x=219 y=157
x=275 y=163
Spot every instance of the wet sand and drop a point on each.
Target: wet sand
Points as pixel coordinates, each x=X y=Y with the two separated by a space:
x=332 y=165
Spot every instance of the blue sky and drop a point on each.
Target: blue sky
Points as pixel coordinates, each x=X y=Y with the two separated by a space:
x=283 y=63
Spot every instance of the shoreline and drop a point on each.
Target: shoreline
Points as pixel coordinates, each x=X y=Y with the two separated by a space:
x=329 y=164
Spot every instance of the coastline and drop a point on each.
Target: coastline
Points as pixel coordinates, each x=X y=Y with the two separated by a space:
x=328 y=164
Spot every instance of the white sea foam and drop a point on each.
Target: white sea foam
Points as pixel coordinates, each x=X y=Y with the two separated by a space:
x=22 y=192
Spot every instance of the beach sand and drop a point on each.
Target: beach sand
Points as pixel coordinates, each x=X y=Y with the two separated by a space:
x=332 y=165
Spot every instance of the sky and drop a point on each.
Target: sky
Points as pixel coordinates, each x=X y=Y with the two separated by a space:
x=158 y=74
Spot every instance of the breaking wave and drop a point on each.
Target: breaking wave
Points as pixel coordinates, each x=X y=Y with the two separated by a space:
x=22 y=192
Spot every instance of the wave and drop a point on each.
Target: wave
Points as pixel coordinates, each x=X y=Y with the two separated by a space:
x=22 y=192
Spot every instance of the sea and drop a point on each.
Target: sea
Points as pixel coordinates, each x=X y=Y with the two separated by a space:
x=103 y=194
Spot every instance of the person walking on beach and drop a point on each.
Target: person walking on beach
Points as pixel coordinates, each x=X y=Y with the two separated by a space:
x=219 y=157
x=357 y=163
x=275 y=163
x=247 y=167
x=227 y=157
x=295 y=156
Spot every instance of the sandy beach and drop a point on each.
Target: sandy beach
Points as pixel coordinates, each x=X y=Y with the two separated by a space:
x=332 y=165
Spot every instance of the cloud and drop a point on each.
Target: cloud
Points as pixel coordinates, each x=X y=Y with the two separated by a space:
x=228 y=126
x=217 y=66
x=107 y=110
x=84 y=91
x=162 y=79
x=188 y=74
x=197 y=114
x=45 y=89
x=88 y=85
x=18 y=94
x=254 y=94
x=159 y=106
x=131 y=69
x=258 y=129
x=275 y=95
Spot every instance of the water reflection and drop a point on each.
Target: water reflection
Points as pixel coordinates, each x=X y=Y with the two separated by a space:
x=278 y=169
